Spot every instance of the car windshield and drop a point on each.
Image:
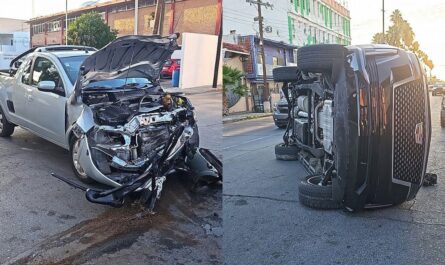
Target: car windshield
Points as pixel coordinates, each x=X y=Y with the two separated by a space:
x=72 y=66
x=119 y=83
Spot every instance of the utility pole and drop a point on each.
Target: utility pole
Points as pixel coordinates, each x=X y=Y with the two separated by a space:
x=260 y=4
x=136 y=19
x=66 y=22
x=159 y=17
x=383 y=18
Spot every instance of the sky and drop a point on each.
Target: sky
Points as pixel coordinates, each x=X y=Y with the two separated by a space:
x=426 y=18
x=22 y=9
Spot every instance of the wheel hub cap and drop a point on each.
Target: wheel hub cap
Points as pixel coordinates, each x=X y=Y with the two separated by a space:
x=76 y=158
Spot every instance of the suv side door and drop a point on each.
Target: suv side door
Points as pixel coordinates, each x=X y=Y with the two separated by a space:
x=48 y=108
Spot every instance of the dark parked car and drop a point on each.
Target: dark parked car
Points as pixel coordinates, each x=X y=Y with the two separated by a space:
x=437 y=91
x=360 y=124
x=280 y=112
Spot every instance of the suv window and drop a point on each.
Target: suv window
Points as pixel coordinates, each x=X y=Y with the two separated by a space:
x=45 y=70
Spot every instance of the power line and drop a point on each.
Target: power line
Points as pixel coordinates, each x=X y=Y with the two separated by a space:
x=260 y=5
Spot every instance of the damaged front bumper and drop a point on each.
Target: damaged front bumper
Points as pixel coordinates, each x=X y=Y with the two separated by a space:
x=139 y=154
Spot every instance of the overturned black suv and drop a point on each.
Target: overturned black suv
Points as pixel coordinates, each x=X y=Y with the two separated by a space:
x=359 y=122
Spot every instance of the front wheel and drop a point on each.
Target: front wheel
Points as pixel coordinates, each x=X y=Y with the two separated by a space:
x=6 y=128
x=75 y=161
x=314 y=195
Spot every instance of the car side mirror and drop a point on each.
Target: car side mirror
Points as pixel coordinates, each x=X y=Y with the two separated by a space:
x=48 y=86
x=17 y=64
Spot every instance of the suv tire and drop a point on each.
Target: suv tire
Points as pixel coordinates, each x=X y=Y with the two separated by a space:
x=286 y=74
x=286 y=153
x=315 y=196
x=320 y=58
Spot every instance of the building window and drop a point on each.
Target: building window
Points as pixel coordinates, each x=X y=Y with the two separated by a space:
x=147 y=3
x=53 y=26
x=38 y=28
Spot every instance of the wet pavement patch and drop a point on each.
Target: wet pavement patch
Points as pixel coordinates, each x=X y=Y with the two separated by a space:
x=118 y=229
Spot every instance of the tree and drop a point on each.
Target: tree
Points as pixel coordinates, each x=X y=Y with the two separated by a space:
x=90 y=30
x=232 y=81
x=400 y=34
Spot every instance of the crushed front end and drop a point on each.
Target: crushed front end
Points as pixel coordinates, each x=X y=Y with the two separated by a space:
x=129 y=133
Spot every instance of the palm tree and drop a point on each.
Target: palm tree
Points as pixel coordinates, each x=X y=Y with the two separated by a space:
x=232 y=80
x=400 y=34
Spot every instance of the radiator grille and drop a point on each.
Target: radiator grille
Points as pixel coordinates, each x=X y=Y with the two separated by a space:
x=409 y=111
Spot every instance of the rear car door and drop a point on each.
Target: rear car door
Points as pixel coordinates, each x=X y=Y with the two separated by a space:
x=47 y=108
x=18 y=105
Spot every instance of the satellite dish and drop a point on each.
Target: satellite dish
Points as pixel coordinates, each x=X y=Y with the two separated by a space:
x=268 y=29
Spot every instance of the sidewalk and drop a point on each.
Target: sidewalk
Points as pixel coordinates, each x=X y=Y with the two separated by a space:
x=167 y=86
x=244 y=116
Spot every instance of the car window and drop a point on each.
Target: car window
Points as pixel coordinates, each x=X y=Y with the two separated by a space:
x=45 y=70
x=25 y=68
x=72 y=66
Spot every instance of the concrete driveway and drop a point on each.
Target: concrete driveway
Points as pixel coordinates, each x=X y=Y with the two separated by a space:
x=265 y=224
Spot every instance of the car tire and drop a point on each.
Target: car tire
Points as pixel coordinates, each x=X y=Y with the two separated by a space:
x=320 y=58
x=6 y=128
x=315 y=196
x=281 y=126
x=286 y=153
x=77 y=169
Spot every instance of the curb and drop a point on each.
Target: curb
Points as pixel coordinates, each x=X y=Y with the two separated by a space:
x=247 y=117
x=202 y=92
x=194 y=91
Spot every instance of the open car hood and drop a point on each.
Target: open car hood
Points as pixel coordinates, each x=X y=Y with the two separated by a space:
x=129 y=56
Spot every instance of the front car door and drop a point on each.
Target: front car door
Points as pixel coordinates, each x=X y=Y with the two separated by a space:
x=47 y=108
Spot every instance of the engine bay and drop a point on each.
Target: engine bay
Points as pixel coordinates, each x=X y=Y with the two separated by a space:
x=133 y=128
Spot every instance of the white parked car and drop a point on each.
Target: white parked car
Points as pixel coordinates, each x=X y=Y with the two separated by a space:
x=108 y=109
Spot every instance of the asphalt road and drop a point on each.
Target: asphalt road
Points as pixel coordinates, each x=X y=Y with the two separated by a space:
x=44 y=221
x=265 y=224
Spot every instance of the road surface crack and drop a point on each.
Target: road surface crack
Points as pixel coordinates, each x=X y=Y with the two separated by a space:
x=259 y=197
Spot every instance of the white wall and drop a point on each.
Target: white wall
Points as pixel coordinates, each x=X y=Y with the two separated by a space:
x=9 y=25
x=198 y=60
x=9 y=52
